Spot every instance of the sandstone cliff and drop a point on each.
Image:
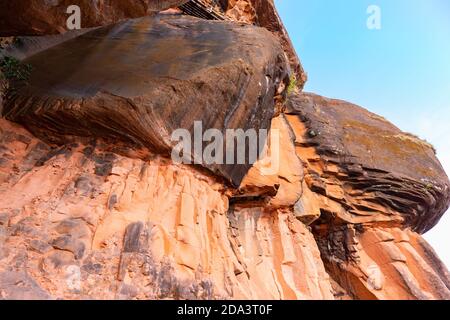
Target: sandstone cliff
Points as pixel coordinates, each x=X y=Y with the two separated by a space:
x=93 y=207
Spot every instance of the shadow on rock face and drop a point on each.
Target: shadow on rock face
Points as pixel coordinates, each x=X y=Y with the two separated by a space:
x=383 y=173
x=139 y=80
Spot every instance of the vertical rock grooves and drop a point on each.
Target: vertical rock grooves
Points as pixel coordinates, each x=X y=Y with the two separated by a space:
x=143 y=229
x=92 y=206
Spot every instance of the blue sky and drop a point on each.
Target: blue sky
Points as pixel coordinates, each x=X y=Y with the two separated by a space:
x=401 y=71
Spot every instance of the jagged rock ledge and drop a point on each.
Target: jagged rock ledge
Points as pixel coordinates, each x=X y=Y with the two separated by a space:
x=92 y=207
x=179 y=70
x=369 y=168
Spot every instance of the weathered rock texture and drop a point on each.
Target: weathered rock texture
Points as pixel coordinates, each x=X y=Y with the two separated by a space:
x=30 y=17
x=92 y=206
x=179 y=70
x=92 y=221
x=370 y=170
x=257 y=12
x=372 y=189
x=37 y=17
x=263 y=13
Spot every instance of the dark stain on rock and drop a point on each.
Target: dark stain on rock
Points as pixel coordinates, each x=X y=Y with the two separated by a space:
x=104 y=164
x=132 y=237
x=52 y=153
x=39 y=246
x=112 y=201
x=84 y=185
x=92 y=268
x=88 y=151
x=20 y=286
x=203 y=60
x=69 y=243
x=4 y=219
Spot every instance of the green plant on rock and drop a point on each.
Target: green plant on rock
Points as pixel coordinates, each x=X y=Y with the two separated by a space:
x=14 y=70
x=293 y=85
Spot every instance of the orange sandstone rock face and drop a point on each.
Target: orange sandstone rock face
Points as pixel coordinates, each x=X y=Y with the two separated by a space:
x=89 y=219
x=383 y=263
x=93 y=221
x=91 y=206
x=279 y=169
x=36 y=17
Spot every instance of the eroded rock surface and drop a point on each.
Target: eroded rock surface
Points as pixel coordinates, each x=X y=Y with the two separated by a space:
x=369 y=190
x=101 y=223
x=368 y=168
x=178 y=70
x=382 y=263
x=264 y=14
x=31 y=18
x=93 y=207
x=37 y=17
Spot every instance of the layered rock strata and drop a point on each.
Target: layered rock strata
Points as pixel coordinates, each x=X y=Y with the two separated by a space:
x=92 y=205
x=369 y=169
x=179 y=70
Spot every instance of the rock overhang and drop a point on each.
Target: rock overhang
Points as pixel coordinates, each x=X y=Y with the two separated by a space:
x=51 y=18
x=141 y=79
x=101 y=205
x=379 y=165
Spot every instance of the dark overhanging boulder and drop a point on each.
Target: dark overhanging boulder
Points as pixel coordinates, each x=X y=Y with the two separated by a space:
x=379 y=165
x=139 y=80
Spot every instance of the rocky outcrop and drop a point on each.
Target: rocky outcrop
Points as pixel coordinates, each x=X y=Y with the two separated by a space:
x=102 y=223
x=93 y=206
x=369 y=189
x=261 y=13
x=224 y=75
x=384 y=263
x=368 y=168
x=112 y=221
x=25 y=18
x=36 y=17
x=264 y=14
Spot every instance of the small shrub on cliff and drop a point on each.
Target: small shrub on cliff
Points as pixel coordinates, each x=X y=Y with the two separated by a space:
x=293 y=85
x=13 y=69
